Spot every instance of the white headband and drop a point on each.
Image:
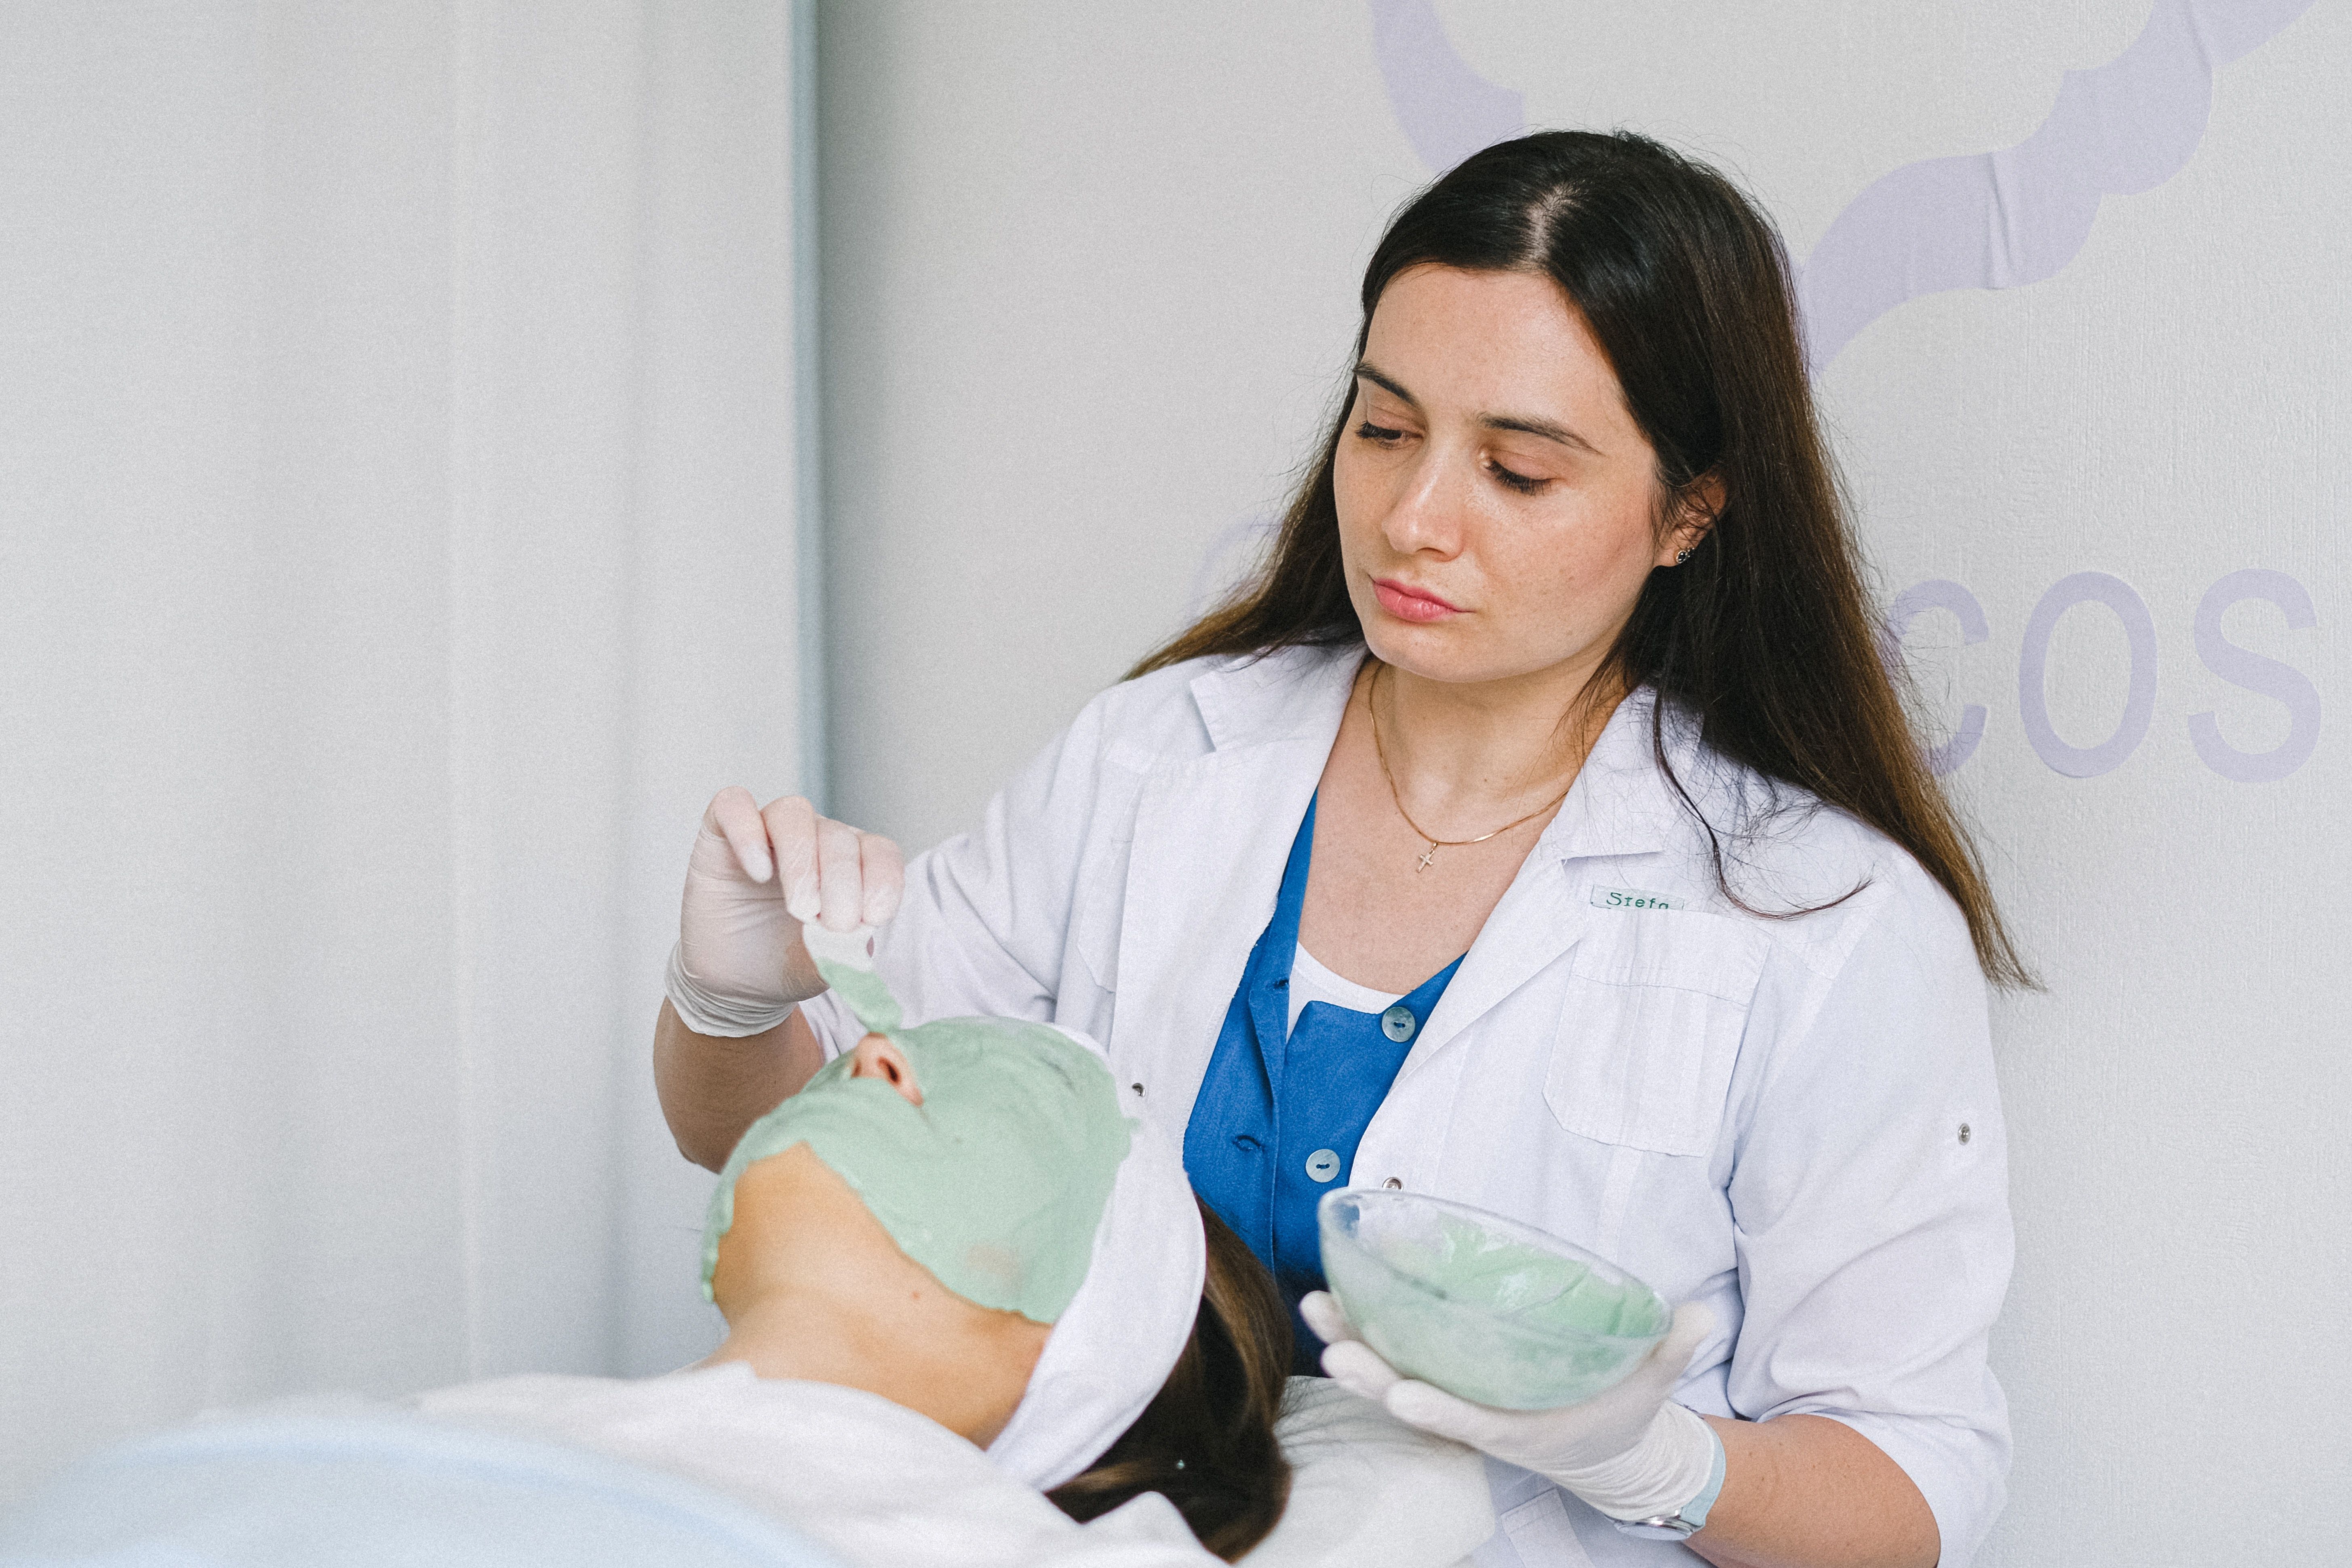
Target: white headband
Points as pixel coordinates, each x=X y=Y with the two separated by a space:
x=1116 y=1343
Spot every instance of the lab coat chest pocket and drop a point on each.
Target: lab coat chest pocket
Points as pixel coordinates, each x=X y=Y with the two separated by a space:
x=1650 y=1028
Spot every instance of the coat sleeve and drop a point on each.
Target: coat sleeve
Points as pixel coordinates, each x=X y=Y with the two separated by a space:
x=1870 y=1203
x=985 y=928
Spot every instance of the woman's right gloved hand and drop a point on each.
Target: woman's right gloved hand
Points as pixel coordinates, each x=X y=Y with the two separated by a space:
x=755 y=875
x=1629 y=1450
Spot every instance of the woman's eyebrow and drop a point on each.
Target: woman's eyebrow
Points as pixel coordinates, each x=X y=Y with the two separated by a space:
x=1551 y=431
x=1543 y=428
x=1387 y=382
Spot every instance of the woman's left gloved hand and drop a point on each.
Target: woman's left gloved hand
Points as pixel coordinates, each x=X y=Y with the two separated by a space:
x=1628 y=1450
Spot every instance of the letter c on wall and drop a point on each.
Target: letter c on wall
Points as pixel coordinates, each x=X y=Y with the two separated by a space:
x=1942 y=594
x=2034 y=664
x=2284 y=684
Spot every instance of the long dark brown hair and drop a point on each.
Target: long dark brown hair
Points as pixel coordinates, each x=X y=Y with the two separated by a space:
x=1764 y=635
x=1206 y=1441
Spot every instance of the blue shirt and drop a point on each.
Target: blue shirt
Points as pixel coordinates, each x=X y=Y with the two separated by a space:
x=1281 y=1109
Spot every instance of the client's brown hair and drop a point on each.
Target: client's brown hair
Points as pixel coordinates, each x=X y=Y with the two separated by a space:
x=1206 y=1440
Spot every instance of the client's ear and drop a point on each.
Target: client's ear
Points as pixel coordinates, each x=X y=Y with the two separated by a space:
x=877 y=1057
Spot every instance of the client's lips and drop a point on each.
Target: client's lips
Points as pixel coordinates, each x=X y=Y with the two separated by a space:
x=1408 y=603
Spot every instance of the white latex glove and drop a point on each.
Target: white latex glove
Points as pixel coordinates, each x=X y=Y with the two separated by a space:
x=755 y=875
x=1627 y=1450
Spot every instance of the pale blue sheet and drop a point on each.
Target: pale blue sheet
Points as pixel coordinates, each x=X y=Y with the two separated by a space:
x=382 y=1490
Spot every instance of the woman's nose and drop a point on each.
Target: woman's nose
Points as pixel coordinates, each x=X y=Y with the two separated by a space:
x=1427 y=512
x=876 y=1057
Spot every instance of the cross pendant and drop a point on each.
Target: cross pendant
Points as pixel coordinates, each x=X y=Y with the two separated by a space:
x=1426 y=858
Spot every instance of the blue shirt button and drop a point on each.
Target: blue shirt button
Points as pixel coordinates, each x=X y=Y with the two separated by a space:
x=1398 y=1023
x=1323 y=1165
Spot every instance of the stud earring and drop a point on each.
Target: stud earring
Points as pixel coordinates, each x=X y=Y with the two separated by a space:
x=1681 y=556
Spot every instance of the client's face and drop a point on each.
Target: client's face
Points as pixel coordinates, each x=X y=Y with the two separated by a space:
x=913 y=1231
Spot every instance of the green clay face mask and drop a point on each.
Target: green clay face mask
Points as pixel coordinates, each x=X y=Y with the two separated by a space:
x=995 y=1184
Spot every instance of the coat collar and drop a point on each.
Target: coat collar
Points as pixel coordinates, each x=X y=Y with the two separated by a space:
x=1212 y=835
x=1622 y=803
x=1213 y=832
x=1292 y=693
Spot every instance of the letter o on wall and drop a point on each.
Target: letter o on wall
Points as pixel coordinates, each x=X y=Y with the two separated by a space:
x=2033 y=666
x=2282 y=683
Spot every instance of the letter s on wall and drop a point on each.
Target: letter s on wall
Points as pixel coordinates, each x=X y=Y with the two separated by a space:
x=2282 y=683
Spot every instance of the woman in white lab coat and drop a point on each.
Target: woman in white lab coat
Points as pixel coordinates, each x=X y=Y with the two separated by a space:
x=1538 y=830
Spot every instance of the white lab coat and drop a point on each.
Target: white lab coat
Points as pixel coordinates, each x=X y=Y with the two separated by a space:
x=1793 y=1121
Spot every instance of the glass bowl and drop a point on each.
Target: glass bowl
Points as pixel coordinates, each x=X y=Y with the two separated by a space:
x=1482 y=1306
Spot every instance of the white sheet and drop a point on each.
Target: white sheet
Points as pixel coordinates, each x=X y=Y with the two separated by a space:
x=1367 y=1491
x=880 y=1485
x=875 y=1483
x=703 y=1467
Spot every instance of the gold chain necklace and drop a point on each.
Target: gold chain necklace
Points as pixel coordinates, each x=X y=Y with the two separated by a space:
x=1372 y=707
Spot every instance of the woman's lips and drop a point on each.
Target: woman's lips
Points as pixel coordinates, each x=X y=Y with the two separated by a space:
x=1407 y=603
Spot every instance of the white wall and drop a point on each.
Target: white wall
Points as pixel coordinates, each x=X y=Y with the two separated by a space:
x=396 y=536
x=1089 y=273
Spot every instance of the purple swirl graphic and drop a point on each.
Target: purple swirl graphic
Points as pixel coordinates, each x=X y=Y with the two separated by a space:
x=1984 y=220
x=1997 y=220
x=1447 y=110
